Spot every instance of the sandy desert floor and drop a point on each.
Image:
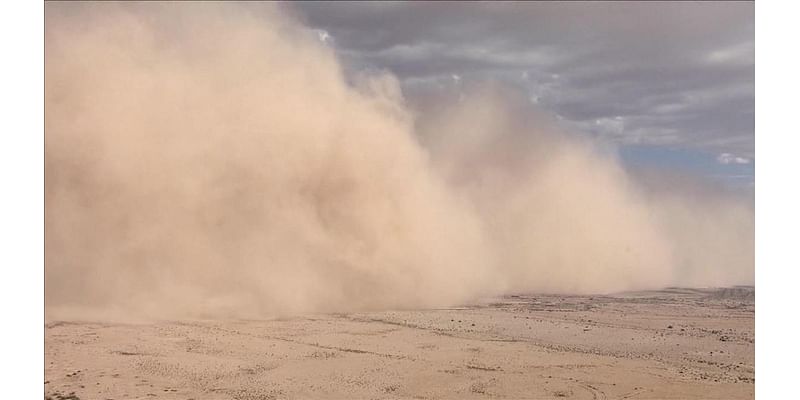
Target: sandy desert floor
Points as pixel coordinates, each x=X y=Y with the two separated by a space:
x=670 y=344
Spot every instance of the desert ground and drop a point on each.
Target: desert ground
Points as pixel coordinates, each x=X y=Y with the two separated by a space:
x=668 y=344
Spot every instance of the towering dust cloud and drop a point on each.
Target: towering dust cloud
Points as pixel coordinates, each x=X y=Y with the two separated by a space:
x=211 y=160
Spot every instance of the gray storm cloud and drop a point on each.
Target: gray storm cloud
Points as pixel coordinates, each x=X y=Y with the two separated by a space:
x=680 y=73
x=211 y=160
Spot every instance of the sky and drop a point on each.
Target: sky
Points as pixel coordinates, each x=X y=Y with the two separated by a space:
x=671 y=84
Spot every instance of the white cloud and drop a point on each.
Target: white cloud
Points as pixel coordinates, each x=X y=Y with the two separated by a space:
x=611 y=127
x=323 y=35
x=742 y=53
x=728 y=158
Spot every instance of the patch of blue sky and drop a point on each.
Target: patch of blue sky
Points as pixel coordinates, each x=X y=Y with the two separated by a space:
x=692 y=162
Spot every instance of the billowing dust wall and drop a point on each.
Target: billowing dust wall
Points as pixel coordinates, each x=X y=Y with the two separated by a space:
x=211 y=160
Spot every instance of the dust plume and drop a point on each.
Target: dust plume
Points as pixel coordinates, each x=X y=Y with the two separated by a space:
x=212 y=160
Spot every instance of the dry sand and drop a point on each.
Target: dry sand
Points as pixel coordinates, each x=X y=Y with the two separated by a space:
x=670 y=344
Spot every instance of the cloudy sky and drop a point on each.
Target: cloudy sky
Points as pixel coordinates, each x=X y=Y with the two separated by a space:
x=671 y=83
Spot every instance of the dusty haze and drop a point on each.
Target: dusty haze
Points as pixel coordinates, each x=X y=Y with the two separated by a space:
x=211 y=160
